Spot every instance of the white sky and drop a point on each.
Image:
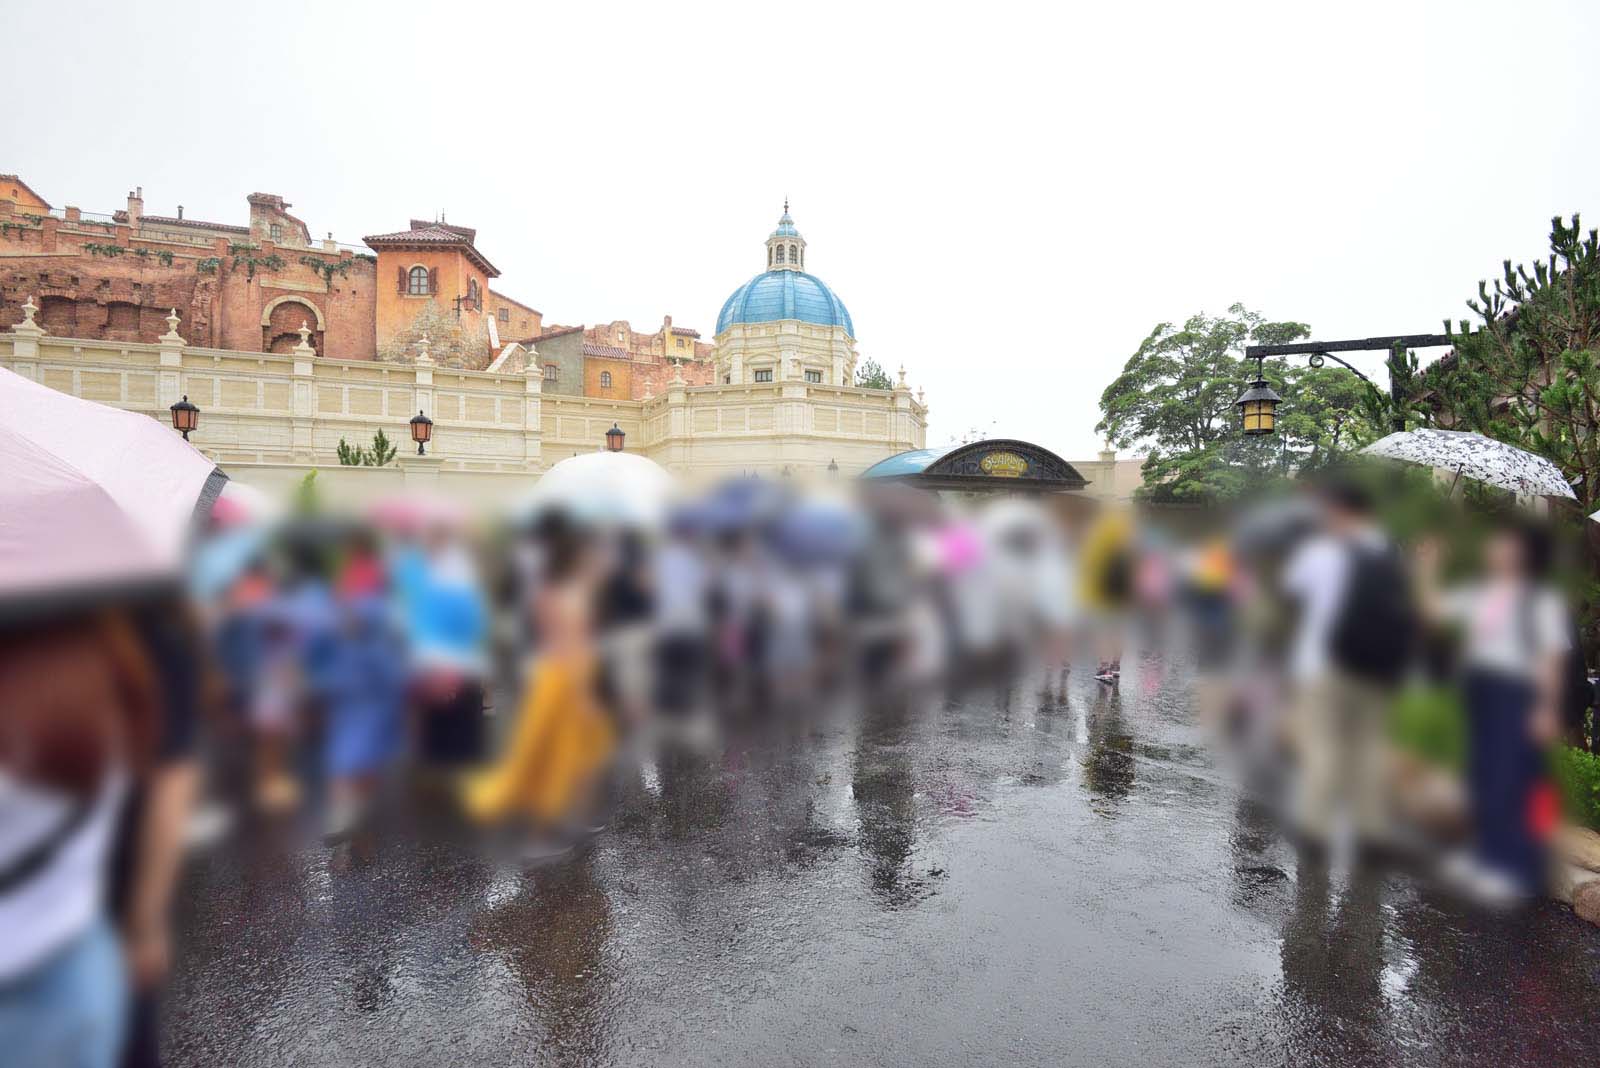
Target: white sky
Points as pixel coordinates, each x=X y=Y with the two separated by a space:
x=1007 y=197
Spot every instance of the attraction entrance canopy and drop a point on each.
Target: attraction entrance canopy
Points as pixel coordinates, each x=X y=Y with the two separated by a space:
x=1002 y=465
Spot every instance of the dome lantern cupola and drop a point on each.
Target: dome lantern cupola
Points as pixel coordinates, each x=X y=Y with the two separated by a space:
x=786 y=249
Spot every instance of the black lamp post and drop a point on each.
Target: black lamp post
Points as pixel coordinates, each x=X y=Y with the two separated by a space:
x=1259 y=404
x=614 y=438
x=421 y=431
x=185 y=416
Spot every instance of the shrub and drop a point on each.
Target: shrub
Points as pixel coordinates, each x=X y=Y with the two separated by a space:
x=1429 y=722
x=1578 y=775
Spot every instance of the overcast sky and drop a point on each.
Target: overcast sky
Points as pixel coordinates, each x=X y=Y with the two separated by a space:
x=1007 y=197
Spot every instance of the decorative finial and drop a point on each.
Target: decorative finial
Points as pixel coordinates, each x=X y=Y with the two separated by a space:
x=902 y=376
x=305 y=333
x=786 y=203
x=172 y=321
x=919 y=395
x=28 y=327
x=423 y=356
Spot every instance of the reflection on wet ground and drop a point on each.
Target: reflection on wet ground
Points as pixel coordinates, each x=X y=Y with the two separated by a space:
x=1000 y=877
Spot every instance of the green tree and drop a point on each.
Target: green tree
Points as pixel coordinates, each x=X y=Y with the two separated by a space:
x=1176 y=394
x=351 y=455
x=1529 y=372
x=871 y=375
x=382 y=451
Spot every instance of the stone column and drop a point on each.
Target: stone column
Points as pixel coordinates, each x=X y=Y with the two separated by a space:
x=533 y=412
x=25 y=342
x=302 y=405
x=422 y=391
x=169 y=380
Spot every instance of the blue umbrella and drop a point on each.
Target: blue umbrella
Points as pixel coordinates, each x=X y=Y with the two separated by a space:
x=815 y=532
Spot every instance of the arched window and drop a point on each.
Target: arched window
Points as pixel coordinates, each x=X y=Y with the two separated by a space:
x=794 y=255
x=780 y=253
x=472 y=292
x=417 y=282
x=549 y=372
x=605 y=379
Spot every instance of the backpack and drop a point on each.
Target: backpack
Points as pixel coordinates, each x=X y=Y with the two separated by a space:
x=1376 y=628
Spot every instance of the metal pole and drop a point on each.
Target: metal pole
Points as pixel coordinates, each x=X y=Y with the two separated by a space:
x=1395 y=400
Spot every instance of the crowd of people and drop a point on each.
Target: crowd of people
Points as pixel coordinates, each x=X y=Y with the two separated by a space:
x=510 y=668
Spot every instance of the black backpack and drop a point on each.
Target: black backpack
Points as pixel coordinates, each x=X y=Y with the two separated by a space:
x=1376 y=628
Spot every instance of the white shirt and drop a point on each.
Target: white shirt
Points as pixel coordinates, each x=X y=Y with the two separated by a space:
x=61 y=899
x=1508 y=628
x=1316 y=576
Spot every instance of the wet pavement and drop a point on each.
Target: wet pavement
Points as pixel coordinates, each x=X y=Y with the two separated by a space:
x=1003 y=877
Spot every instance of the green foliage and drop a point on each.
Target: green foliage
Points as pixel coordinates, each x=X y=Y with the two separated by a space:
x=351 y=455
x=1429 y=722
x=380 y=452
x=110 y=252
x=307 y=499
x=1176 y=395
x=1529 y=373
x=366 y=257
x=871 y=375
x=273 y=262
x=328 y=270
x=165 y=256
x=1577 y=773
x=208 y=265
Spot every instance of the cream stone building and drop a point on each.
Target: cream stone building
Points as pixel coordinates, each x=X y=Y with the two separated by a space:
x=784 y=399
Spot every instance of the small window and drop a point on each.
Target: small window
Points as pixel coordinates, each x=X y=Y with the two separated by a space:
x=505 y=315
x=680 y=342
x=417 y=282
x=794 y=255
x=473 y=292
x=549 y=372
x=780 y=253
x=814 y=376
x=621 y=337
x=277 y=232
x=605 y=379
x=764 y=375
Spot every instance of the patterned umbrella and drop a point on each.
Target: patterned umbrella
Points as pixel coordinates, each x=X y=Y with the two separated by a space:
x=1478 y=457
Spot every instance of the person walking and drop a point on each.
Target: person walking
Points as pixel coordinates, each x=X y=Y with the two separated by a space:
x=1351 y=644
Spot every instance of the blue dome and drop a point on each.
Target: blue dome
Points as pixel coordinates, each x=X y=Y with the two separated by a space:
x=774 y=295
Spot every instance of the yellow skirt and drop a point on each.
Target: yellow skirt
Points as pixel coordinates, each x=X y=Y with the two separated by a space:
x=561 y=742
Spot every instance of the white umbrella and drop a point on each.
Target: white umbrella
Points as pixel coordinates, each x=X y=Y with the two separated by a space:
x=92 y=494
x=1477 y=457
x=604 y=487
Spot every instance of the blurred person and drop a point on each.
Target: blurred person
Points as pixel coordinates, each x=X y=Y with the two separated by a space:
x=1106 y=586
x=150 y=841
x=624 y=623
x=1514 y=629
x=1352 y=642
x=681 y=617
x=358 y=675
x=78 y=732
x=447 y=628
x=550 y=775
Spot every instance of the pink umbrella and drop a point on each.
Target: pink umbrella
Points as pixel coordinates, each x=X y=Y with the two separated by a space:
x=92 y=494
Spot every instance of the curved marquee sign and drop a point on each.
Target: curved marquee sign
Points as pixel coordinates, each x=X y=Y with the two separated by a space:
x=1001 y=463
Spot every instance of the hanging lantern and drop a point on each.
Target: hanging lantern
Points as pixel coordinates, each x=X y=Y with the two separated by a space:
x=1259 y=407
x=421 y=431
x=614 y=438
x=185 y=416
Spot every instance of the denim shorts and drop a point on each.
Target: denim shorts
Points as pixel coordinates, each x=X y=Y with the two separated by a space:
x=70 y=1011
